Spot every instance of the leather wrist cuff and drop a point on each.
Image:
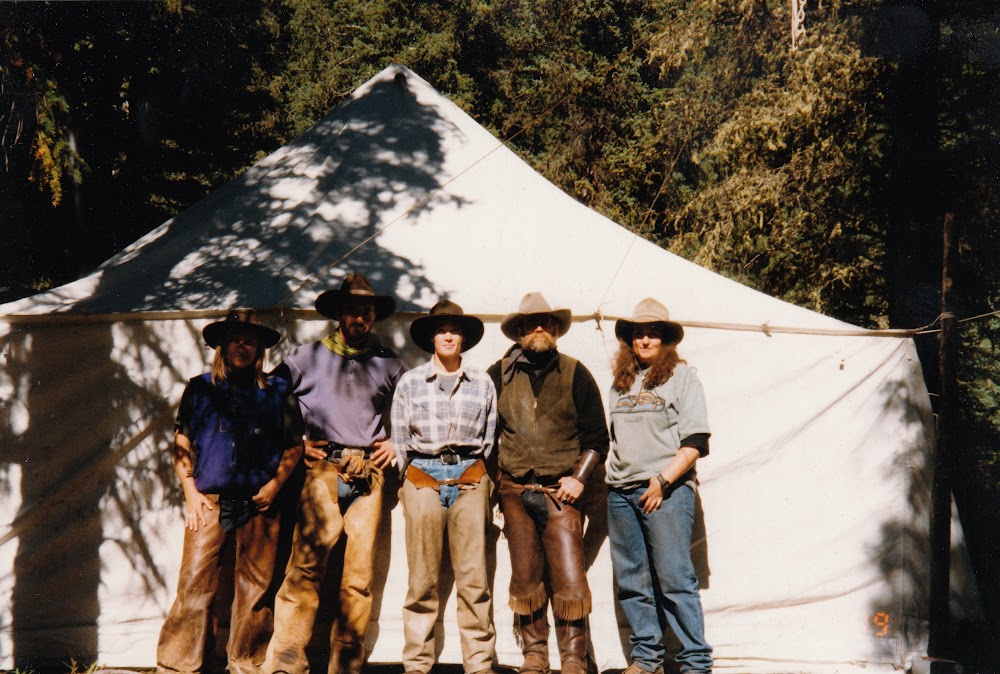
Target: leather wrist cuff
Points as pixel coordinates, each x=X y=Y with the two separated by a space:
x=664 y=484
x=585 y=465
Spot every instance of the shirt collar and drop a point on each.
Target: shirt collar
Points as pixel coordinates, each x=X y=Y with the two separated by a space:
x=433 y=373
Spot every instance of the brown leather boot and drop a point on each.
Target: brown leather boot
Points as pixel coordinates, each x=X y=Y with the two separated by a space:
x=534 y=633
x=571 y=635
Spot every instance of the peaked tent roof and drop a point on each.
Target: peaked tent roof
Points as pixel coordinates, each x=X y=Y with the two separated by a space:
x=438 y=196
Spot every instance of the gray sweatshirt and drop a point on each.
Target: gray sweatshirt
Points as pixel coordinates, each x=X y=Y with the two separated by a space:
x=647 y=427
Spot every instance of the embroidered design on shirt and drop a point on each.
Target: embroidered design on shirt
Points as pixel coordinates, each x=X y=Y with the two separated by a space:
x=647 y=401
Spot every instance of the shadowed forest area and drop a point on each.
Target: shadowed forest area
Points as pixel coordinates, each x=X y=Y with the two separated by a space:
x=820 y=175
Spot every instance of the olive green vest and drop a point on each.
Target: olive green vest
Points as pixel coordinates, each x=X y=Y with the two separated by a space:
x=539 y=434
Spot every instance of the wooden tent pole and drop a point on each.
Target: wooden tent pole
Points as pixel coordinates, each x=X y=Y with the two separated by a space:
x=937 y=641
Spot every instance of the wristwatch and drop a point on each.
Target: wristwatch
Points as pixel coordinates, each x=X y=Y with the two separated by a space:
x=664 y=483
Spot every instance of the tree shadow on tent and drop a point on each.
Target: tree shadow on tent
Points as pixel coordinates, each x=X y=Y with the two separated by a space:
x=294 y=224
x=899 y=620
x=88 y=439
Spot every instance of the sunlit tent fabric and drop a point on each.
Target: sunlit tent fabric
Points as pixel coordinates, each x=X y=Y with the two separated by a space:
x=812 y=534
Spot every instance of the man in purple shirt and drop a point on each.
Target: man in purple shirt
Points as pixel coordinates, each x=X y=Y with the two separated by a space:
x=344 y=384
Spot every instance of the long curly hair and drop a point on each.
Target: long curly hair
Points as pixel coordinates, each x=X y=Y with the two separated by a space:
x=627 y=367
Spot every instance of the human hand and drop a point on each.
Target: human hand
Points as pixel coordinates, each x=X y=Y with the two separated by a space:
x=384 y=454
x=196 y=504
x=265 y=495
x=652 y=497
x=315 y=450
x=570 y=489
x=353 y=466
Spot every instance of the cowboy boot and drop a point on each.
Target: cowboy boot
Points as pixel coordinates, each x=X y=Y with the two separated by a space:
x=571 y=635
x=534 y=633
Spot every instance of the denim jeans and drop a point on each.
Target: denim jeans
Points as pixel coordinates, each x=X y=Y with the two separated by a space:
x=651 y=556
x=443 y=471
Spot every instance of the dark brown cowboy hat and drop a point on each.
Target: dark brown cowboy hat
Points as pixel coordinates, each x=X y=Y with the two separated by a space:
x=422 y=329
x=534 y=303
x=355 y=288
x=650 y=311
x=244 y=319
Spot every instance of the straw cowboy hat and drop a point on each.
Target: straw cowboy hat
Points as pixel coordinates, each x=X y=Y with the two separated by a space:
x=422 y=329
x=244 y=319
x=355 y=288
x=534 y=303
x=650 y=311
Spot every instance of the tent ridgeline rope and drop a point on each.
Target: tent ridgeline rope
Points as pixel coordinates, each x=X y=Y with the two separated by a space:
x=988 y=314
x=312 y=314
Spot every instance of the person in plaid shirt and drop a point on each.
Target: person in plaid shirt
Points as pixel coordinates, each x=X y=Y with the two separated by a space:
x=443 y=425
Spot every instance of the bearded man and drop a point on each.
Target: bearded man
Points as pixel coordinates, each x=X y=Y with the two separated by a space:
x=553 y=434
x=344 y=384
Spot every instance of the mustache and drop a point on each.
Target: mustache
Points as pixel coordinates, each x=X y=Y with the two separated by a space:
x=539 y=342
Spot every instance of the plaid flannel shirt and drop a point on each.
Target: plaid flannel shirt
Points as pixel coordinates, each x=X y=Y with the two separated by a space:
x=429 y=420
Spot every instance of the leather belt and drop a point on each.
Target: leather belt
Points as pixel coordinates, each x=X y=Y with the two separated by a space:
x=336 y=451
x=449 y=457
x=471 y=476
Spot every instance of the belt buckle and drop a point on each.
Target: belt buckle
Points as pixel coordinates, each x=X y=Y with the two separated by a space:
x=449 y=459
x=352 y=451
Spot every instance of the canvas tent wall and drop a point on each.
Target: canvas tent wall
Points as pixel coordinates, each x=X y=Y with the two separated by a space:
x=812 y=541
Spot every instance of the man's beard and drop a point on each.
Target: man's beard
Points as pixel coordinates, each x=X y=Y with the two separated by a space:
x=538 y=342
x=356 y=335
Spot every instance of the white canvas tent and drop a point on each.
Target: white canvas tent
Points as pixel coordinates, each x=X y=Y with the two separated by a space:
x=813 y=541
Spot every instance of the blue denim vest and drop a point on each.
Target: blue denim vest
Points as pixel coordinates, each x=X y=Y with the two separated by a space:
x=237 y=435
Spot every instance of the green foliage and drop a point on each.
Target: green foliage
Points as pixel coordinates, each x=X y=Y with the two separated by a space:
x=119 y=113
x=325 y=49
x=784 y=153
x=981 y=397
x=34 y=123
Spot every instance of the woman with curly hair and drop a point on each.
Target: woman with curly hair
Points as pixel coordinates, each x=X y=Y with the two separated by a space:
x=659 y=429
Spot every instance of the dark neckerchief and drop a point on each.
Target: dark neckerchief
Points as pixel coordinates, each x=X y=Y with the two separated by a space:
x=534 y=364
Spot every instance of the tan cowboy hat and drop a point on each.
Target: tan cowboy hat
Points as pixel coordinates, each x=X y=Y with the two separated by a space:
x=244 y=319
x=354 y=288
x=534 y=303
x=650 y=311
x=422 y=329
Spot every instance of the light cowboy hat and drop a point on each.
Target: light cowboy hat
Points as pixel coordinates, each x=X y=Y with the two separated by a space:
x=650 y=311
x=532 y=304
x=355 y=288
x=245 y=319
x=422 y=329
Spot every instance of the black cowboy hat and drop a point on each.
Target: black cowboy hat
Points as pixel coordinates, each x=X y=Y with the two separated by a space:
x=244 y=319
x=422 y=329
x=355 y=288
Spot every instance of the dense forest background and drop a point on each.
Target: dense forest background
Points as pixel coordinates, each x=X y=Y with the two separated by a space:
x=820 y=174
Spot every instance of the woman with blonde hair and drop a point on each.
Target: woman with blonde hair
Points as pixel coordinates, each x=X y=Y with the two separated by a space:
x=237 y=439
x=659 y=429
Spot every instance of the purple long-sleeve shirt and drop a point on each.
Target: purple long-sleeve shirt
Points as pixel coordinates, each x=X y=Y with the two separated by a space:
x=345 y=400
